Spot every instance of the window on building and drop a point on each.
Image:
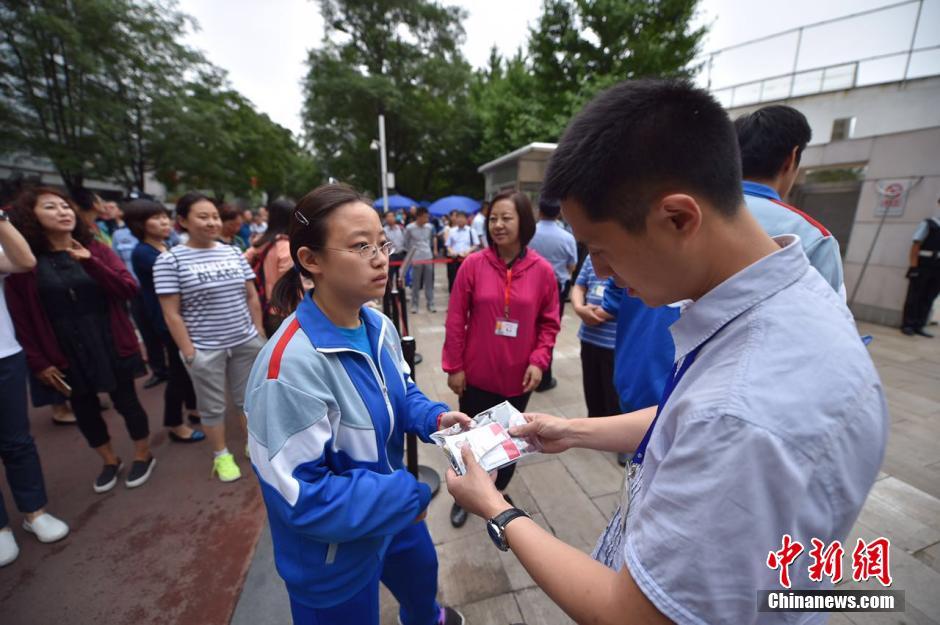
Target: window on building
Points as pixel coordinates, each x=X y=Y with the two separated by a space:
x=843 y=128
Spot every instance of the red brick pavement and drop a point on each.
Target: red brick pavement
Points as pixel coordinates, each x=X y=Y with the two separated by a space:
x=175 y=550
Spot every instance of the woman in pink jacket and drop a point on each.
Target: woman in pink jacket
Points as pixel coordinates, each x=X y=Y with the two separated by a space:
x=502 y=319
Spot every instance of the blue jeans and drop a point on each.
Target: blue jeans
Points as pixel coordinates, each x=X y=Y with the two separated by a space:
x=409 y=571
x=17 y=448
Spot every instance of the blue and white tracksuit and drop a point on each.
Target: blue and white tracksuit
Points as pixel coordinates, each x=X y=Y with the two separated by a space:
x=326 y=433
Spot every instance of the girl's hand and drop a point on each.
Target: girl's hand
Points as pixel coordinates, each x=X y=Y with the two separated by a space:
x=531 y=379
x=457 y=382
x=51 y=376
x=448 y=419
x=78 y=251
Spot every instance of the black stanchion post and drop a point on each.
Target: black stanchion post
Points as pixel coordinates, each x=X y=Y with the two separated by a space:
x=423 y=473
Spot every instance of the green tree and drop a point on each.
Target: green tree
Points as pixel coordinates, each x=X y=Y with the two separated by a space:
x=399 y=58
x=210 y=137
x=79 y=81
x=575 y=49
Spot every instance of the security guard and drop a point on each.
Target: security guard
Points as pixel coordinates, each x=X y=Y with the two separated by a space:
x=924 y=276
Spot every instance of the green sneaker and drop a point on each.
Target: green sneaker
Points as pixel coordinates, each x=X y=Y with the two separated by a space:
x=225 y=466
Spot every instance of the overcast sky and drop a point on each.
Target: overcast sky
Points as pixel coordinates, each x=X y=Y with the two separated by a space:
x=263 y=43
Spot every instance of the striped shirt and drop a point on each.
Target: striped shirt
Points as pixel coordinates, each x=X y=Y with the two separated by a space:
x=604 y=334
x=211 y=286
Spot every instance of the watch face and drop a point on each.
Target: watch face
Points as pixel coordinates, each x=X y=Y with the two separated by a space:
x=496 y=535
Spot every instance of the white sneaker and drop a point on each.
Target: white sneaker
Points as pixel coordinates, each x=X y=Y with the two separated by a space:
x=47 y=528
x=9 y=550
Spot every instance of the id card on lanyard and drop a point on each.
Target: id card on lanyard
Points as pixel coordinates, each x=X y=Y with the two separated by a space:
x=505 y=326
x=631 y=478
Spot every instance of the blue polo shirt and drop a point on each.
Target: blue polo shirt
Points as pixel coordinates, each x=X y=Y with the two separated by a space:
x=778 y=218
x=644 y=350
x=557 y=246
x=603 y=334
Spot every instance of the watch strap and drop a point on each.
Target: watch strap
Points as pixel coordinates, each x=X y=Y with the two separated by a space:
x=503 y=518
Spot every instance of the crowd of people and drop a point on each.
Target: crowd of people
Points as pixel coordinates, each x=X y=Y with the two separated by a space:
x=696 y=271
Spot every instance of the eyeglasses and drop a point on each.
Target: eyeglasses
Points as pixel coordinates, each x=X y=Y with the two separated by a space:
x=366 y=251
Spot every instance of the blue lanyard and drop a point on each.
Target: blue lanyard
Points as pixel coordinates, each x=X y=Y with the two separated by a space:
x=674 y=378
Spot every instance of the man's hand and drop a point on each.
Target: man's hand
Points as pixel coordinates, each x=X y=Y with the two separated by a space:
x=912 y=272
x=531 y=379
x=451 y=418
x=552 y=435
x=457 y=382
x=474 y=491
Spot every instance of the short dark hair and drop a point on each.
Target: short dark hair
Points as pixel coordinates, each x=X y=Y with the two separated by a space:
x=767 y=136
x=137 y=212
x=523 y=209
x=23 y=217
x=549 y=207
x=84 y=199
x=640 y=140
x=422 y=210
x=228 y=212
x=186 y=202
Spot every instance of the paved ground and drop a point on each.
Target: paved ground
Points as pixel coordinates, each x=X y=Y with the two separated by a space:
x=573 y=494
x=177 y=550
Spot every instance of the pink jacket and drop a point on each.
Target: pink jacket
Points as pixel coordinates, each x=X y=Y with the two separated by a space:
x=497 y=363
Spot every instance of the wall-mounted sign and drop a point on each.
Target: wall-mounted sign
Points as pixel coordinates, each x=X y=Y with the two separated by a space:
x=892 y=197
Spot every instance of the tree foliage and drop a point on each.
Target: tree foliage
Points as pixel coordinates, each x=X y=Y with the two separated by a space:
x=78 y=80
x=105 y=89
x=399 y=58
x=575 y=49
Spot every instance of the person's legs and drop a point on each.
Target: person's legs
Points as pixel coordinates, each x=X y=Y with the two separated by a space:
x=417 y=277
x=237 y=369
x=429 y=286
x=589 y=379
x=17 y=447
x=410 y=572
x=912 y=315
x=607 y=390
x=128 y=406
x=207 y=372
x=451 y=274
x=361 y=609
x=156 y=357
x=179 y=390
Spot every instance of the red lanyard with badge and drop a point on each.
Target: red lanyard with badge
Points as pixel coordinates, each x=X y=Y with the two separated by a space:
x=505 y=326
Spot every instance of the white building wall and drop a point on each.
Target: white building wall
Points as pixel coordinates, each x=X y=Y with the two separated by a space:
x=878 y=110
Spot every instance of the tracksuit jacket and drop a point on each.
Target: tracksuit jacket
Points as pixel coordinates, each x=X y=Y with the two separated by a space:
x=326 y=434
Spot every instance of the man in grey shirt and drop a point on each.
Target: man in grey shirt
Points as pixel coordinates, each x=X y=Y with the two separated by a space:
x=558 y=247
x=772 y=426
x=419 y=236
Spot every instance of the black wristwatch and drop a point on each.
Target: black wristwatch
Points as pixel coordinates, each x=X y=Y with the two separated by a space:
x=496 y=527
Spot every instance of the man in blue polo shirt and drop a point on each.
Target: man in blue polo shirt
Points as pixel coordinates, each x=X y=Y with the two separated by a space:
x=558 y=247
x=772 y=140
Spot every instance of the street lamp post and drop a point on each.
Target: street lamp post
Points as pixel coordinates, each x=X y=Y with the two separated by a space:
x=384 y=162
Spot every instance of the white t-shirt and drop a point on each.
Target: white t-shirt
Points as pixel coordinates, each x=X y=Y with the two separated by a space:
x=8 y=344
x=211 y=285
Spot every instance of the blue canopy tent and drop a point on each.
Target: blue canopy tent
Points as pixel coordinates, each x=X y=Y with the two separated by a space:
x=395 y=202
x=444 y=205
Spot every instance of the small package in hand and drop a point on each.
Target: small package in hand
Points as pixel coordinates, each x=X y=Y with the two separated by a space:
x=488 y=439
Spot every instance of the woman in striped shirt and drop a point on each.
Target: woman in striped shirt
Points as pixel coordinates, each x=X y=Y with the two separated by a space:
x=211 y=308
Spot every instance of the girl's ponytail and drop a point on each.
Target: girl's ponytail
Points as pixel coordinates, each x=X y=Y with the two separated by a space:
x=286 y=294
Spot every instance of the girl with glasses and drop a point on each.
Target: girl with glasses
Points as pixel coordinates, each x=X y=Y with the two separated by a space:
x=329 y=401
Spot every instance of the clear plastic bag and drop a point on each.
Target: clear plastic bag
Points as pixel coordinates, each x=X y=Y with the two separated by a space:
x=488 y=438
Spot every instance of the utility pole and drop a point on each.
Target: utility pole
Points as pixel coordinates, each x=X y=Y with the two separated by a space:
x=384 y=163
